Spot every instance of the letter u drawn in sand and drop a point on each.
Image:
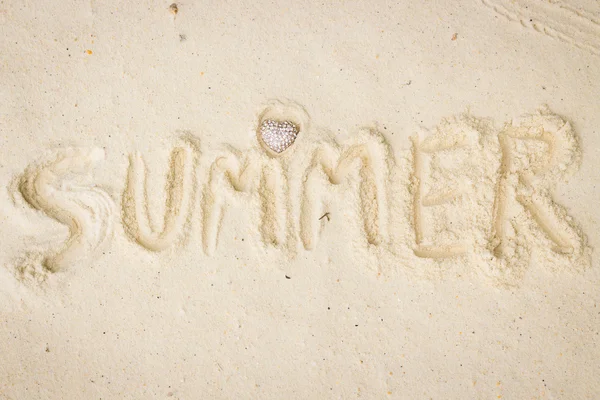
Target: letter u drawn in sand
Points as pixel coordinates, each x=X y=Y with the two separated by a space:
x=180 y=184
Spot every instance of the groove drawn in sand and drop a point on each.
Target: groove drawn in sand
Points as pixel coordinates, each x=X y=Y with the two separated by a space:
x=180 y=188
x=465 y=189
x=273 y=214
x=424 y=248
x=234 y=174
x=467 y=172
x=87 y=211
x=538 y=152
x=372 y=156
x=556 y=19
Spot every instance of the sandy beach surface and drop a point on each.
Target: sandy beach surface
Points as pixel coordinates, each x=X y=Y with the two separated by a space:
x=299 y=200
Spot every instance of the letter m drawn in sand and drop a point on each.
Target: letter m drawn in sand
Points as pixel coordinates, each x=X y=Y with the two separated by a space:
x=372 y=155
x=241 y=179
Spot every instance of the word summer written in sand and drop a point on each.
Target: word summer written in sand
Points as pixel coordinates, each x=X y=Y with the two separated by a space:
x=463 y=190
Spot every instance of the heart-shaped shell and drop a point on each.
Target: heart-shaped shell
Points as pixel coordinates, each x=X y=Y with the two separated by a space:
x=278 y=136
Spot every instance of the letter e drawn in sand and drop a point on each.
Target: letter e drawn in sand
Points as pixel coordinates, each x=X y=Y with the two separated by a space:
x=439 y=196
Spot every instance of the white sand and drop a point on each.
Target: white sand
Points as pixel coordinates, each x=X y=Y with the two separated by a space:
x=429 y=234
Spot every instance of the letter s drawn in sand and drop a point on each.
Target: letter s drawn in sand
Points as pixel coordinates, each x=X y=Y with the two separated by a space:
x=86 y=211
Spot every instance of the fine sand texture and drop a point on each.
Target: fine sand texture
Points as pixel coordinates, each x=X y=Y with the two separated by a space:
x=300 y=200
